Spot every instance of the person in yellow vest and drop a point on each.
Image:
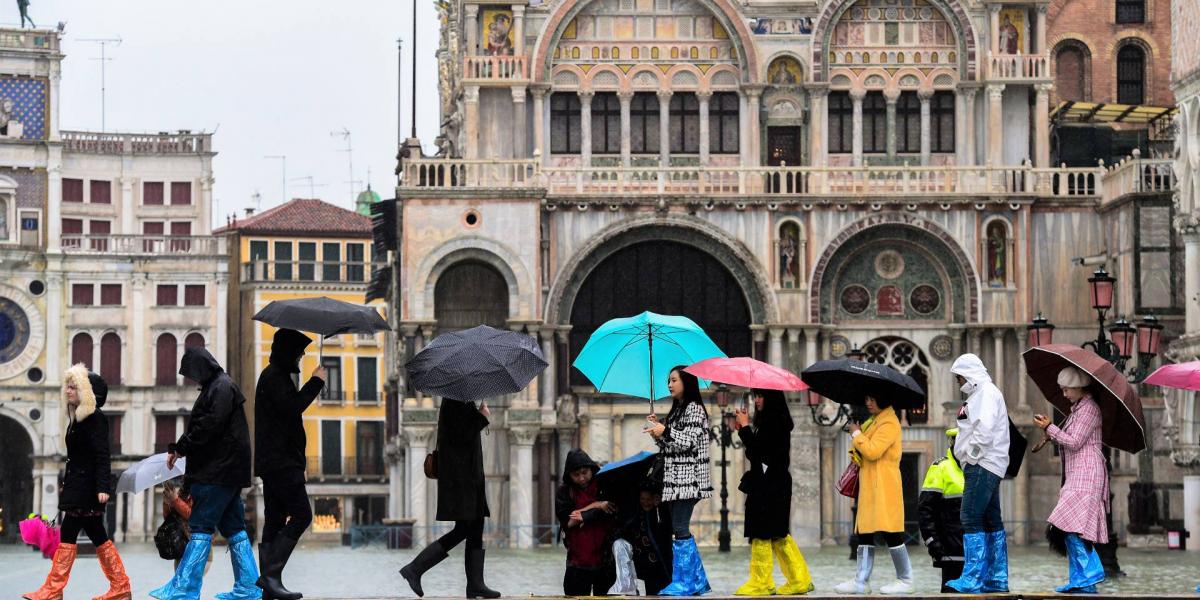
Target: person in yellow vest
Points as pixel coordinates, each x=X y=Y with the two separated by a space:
x=938 y=508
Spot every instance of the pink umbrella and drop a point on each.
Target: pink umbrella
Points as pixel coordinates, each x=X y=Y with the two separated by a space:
x=1183 y=376
x=36 y=532
x=747 y=372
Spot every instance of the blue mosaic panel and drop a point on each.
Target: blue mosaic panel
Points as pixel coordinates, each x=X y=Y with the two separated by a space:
x=31 y=186
x=29 y=104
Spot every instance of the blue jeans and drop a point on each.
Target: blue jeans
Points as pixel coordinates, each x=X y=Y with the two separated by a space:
x=681 y=517
x=981 y=501
x=217 y=508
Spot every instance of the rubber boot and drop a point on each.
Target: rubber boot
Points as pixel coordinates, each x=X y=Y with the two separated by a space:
x=1084 y=569
x=762 y=568
x=904 y=576
x=996 y=578
x=975 y=567
x=60 y=572
x=687 y=571
x=270 y=580
x=861 y=584
x=794 y=567
x=114 y=570
x=185 y=584
x=245 y=569
x=412 y=572
x=476 y=588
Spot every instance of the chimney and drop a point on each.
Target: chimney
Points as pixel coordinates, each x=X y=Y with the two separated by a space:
x=249 y=211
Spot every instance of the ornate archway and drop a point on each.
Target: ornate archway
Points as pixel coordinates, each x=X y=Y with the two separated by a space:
x=16 y=477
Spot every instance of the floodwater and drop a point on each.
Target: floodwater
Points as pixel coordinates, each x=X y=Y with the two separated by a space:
x=340 y=572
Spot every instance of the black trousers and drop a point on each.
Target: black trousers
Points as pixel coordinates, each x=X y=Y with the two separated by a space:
x=93 y=526
x=285 y=506
x=951 y=571
x=470 y=531
x=580 y=581
x=655 y=583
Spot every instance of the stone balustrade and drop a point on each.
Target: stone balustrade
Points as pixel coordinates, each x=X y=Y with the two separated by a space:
x=29 y=39
x=143 y=245
x=1018 y=68
x=1138 y=176
x=94 y=142
x=497 y=69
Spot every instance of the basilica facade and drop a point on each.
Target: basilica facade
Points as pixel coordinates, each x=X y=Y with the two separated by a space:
x=804 y=179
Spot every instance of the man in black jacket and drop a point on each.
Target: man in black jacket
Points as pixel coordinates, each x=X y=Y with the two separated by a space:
x=279 y=456
x=217 y=447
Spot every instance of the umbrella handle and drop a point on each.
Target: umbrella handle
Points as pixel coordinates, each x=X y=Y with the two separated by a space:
x=1040 y=445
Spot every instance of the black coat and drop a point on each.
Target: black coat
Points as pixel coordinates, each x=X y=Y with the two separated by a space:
x=279 y=439
x=938 y=511
x=88 y=470
x=768 y=495
x=217 y=440
x=461 y=494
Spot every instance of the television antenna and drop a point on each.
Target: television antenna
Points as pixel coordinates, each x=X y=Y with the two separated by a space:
x=104 y=59
x=345 y=135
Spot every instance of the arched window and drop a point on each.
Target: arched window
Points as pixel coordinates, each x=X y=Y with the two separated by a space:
x=166 y=360
x=903 y=356
x=81 y=350
x=908 y=123
x=1131 y=75
x=110 y=358
x=1071 y=65
x=791 y=260
x=997 y=254
x=874 y=123
x=193 y=339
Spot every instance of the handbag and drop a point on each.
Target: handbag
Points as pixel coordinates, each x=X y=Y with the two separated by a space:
x=1016 y=450
x=431 y=471
x=171 y=538
x=847 y=484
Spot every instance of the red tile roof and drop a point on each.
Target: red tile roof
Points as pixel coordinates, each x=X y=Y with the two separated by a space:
x=303 y=216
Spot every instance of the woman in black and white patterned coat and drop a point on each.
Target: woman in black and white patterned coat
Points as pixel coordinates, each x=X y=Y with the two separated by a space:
x=683 y=439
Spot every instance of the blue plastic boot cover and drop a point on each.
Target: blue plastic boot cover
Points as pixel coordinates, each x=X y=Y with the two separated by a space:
x=185 y=584
x=687 y=571
x=1084 y=567
x=975 y=568
x=996 y=578
x=245 y=570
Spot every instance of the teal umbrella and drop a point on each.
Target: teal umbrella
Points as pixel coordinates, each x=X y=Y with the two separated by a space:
x=632 y=354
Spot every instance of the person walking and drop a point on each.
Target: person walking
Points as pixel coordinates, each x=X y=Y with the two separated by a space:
x=939 y=507
x=768 y=489
x=217 y=446
x=84 y=493
x=1079 y=516
x=877 y=450
x=586 y=524
x=982 y=448
x=279 y=443
x=460 y=498
x=683 y=439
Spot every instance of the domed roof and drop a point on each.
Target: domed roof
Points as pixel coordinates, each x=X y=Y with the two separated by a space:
x=367 y=197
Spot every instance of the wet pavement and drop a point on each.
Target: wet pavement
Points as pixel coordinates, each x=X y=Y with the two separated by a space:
x=371 y=572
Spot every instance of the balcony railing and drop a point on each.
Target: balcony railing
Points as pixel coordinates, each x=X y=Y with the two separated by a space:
x=1018 y=68
x=262 y=271
x=1138 y=176
x=340 y=468
x=143 y=245
x=494 y=68
x=330 y=397
x=28 y=39
x=736 y=182
x=94 y=142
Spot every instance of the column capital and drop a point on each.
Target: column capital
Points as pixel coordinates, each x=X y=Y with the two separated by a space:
x=994 y=9
x=925 y=95
x=1043 y=89
x=817 y=89
x=518 y=10
x=563 y=333
x=625 y=96
x=518 y=94
x=857 y=95
x=538 y=90
x=704 y=95
x=891 y=96
x=995 y=91
x=1042 y=9
x=471 y=94
x=523 y=436
x=585 y=96
x=664 y=95
x=418 y=436
x=1188 y=225
x=472 y=10
x=776 y=332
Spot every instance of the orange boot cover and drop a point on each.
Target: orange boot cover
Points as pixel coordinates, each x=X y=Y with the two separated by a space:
x=60 y=572
x=114 y=570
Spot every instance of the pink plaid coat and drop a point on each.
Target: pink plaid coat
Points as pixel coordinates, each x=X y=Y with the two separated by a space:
x=1083 y=499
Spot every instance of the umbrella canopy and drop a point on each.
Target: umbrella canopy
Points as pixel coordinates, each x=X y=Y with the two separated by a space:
x=476 y=363
x=323 y=316
x=149 y=473
x=1183 y=376
x=1124 y=426
x=634 y=355
x=747 y=372
x=850 y=381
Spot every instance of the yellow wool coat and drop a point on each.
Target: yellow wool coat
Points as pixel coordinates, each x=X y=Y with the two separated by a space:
x=880 y=493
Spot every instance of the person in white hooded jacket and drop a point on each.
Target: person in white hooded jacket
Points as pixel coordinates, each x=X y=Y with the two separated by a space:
x=982 y=448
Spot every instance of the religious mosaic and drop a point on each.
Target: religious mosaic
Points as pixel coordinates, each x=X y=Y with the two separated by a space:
x=789 y=257
x=785 y=70
x=641 y=30
x=1012 y=31
x=497 y=32
x=855 y=299
x=795 y=26
x=892 y=33
x=897 y=281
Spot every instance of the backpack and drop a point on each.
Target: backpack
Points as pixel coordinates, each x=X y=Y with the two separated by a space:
x=171 y=538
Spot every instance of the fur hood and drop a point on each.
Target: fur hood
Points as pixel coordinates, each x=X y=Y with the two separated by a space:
x=93 y=391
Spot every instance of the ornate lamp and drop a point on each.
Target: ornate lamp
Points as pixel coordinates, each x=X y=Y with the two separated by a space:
x=1040 y=332
x=1123 y=336
x=1149 y=335
x=1101 y=286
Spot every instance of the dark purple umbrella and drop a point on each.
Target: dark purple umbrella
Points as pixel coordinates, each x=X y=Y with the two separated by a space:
x=476 y=363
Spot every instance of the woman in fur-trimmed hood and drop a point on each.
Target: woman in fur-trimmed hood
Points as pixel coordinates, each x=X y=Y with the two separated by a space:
x=85 y=488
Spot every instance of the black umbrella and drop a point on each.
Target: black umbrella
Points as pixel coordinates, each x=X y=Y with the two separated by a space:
x=323 y=316
x=849 y=381
x=621 y=481
x=476 y=363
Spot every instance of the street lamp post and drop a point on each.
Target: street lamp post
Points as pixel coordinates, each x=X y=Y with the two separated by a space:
x=724 y=436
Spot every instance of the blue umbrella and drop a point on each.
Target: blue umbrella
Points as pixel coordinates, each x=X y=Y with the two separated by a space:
x=628 y=355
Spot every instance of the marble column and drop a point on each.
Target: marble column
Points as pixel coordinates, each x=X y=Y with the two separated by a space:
x=1191 y=506
x=856 y=103
x=805 y=458
x=126 y=203
x=1191 y=277
x=818 y=125
x=890 y=98
x=1041 y=126
x=521 y=503
x=1039 y=46
x=417 y=440
x=549 y=375
x=828 y=476
x=810 y=346
x=998 y=357
x=925 y=96
x=139 y=373
x=775 y=346
x=472 y=26
x=397 y=488
x=994 y=28
x=585 y=127
x=968 y=129
x=206 y=201
x=518 y=29
x=625 y=97
x=600 y=432
x=54 y=334
x=221 y=347
x=539 y=122
x=703 y=97
x=53 y=229
x=520 y=129
x=664 y=128
x=753 y=103
x=471 y=108
x=995 y=136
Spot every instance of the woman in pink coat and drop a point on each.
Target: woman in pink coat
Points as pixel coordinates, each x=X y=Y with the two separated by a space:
x=1083 y=500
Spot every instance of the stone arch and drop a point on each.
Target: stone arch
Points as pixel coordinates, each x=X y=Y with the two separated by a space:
x=490 y=252
x=23 y=421
x=1085 y=51
x=710 y=78
x=1001 y=276
x=589 y=80
x=930 y=232
x=953 y=10
x=1148 y=53
x=730 y=251
x=633 y=73
x=724 y=10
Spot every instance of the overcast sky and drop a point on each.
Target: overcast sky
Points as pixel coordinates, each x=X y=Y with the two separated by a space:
x=270 y=77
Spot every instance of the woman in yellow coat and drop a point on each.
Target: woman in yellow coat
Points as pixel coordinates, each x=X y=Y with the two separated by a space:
x=876 y=450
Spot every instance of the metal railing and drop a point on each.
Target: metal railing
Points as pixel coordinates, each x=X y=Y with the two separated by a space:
x=330 y=397
x=305 y=270
x=494 y=68
x=158 y=245
x=341 y=468
x=1018 y=67
x=95 y=142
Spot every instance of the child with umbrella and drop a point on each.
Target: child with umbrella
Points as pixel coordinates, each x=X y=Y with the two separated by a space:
x=586 y=524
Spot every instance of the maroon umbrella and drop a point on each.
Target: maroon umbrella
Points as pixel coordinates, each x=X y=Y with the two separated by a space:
x=1124 y=426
